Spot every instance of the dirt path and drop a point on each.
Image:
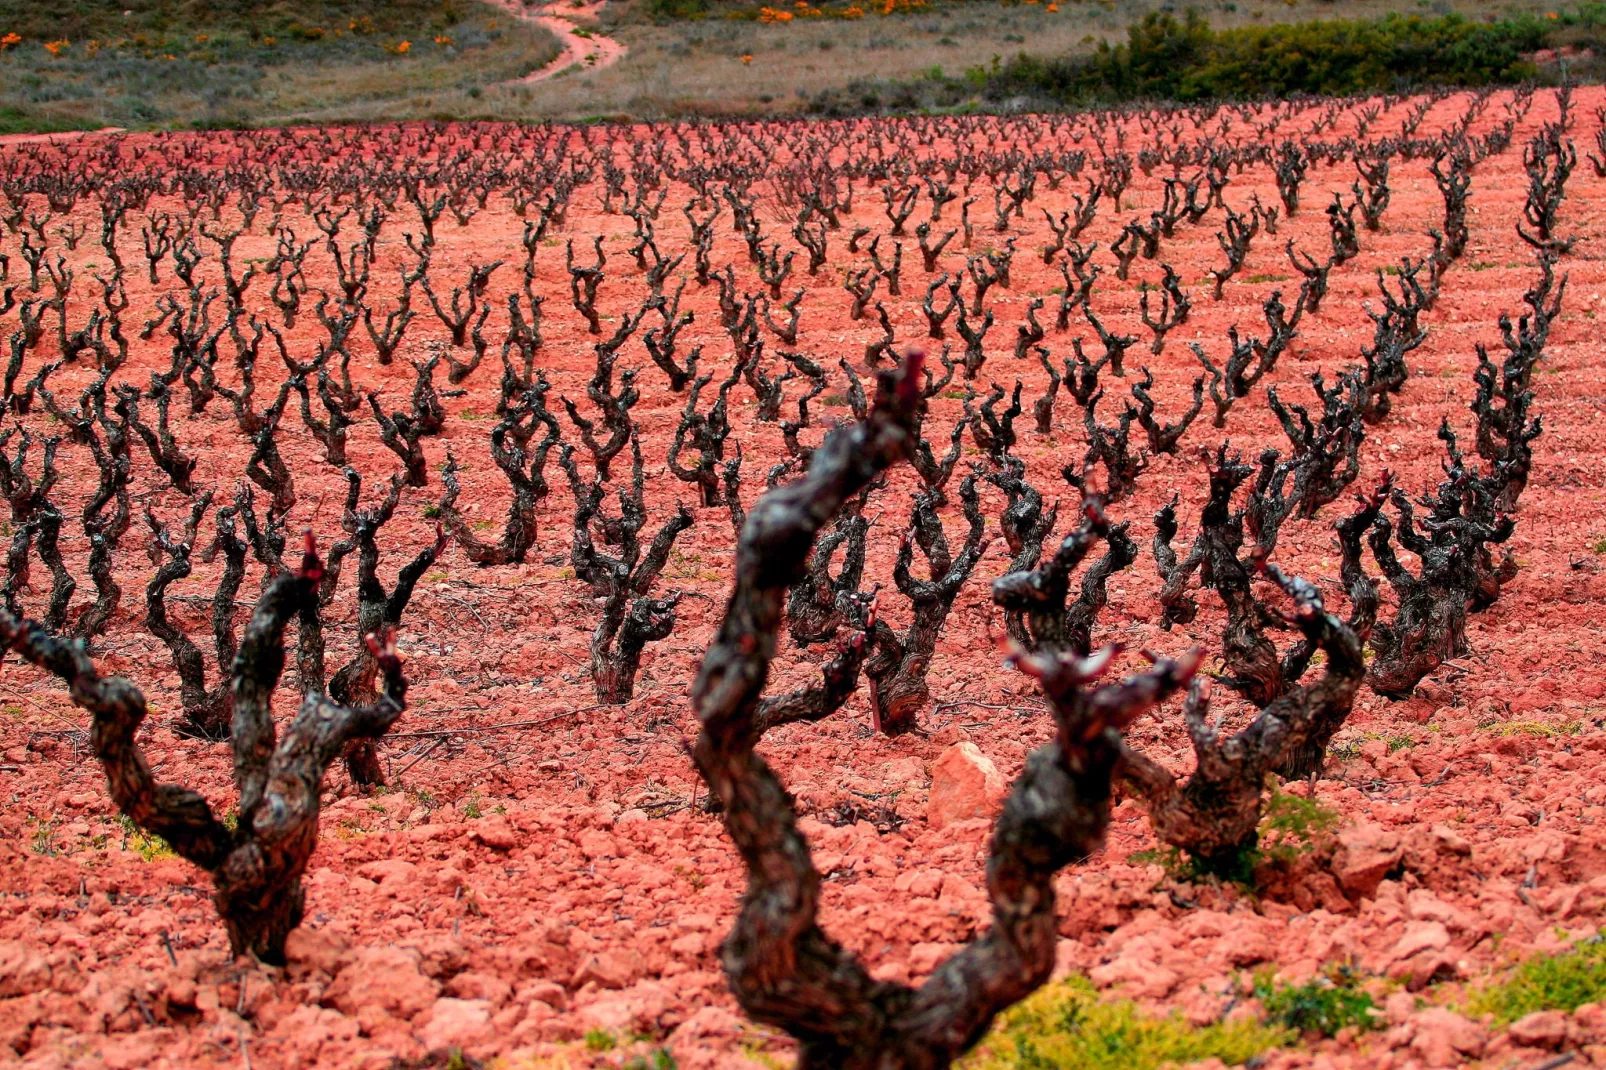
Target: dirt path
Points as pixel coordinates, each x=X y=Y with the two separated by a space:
x=581 y=47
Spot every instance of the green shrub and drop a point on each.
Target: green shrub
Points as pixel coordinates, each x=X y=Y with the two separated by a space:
x=1560 y=982
x=1184 y=59
x=677 y=9
x=1293 y=825
x=1321 y=1005
x=657 y=1059
x=1066 y=1026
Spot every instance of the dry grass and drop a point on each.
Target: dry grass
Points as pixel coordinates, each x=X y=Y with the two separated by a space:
x=695 y=68
x=674 y=69
x=174 y=72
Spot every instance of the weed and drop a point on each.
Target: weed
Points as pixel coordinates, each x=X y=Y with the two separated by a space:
x=657 y=1059
x=1293 y=825
x=754 y=1051
x=599 y=1040
x=43 y=841
x=1542 y=729
x=1395 y=741
x=148 y=847
x=1066 y=1026
x=1322 y=1005
x=1562 y=982
x=1347 y=751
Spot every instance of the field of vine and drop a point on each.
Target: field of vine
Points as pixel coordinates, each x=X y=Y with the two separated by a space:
x=1083 y=590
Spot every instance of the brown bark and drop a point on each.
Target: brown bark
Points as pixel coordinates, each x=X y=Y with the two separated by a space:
x=783 y=968
x=256 y=867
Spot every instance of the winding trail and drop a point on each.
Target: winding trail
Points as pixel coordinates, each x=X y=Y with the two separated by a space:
x=581 y=47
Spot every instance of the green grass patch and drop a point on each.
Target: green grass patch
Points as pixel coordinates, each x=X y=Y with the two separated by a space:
x=1561 y=982
x=1066 y=1026
x=657 y=1059
x=1322 y=1005
x=1542 y=729
x=149 y=848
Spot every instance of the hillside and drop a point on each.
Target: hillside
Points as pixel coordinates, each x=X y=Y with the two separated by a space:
x=145 y=63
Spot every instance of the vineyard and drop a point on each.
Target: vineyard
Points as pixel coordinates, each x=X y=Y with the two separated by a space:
x=740 y=593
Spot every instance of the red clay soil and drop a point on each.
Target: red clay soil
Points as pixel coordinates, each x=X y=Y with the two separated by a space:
x=519 y=886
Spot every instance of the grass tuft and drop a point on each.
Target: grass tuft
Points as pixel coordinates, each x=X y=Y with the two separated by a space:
x=1561 y=982
x=149 y=848
x=1066 y=1026
x=1322 y=1005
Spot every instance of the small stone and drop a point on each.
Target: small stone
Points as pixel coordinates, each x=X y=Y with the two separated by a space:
x=455 y=1023
x=395 y=872
x=1451 y=840
x=548 y=992
x=608 y=969
x=1141 y=979
x=1421 y=936
x=386 y=979
x=313 y=949
x=1366 y=853
x=595 y=844
x=1588 y=1024
x=1444 y=1038
x=903 y=771
x=1541 y=1029
x=1246 y=949
x=476 y=985
x=23 y=970
x=496 y=833
x=965 y=786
